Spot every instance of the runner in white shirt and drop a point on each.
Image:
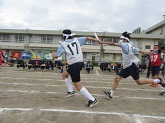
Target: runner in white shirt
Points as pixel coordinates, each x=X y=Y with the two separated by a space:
x=72 y=48
x=130 y=62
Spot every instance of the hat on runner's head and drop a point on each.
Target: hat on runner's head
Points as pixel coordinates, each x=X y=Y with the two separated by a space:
x=126 y=36
x=67 y=34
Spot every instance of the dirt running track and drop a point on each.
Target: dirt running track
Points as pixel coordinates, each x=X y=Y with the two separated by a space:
x=29 y=96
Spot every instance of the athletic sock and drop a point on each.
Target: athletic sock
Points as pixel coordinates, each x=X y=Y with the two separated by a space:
x=69 y=84
x=112 y=92
x=156 y=81
x=85 y=92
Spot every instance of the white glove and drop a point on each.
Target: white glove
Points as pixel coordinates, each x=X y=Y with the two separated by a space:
x=161 y=66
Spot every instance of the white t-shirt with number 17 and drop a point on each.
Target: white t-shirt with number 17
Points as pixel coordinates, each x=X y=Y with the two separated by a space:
x=72 y=48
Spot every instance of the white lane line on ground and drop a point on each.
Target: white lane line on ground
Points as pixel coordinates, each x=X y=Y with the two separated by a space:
x=82 y=81
x=148 y=116
x=143 y=98
x=45 y=78
x=26 y=75
x=47 y=92
x=97 y=72
x=27 y=84
x=31 y=92
x=48 y=85
x=106 y=82
x=125 y=88
x=110 y=78
x=137 y=120
x=83 y=112
x=5 y=77
x=25 y=78
x=98 y=82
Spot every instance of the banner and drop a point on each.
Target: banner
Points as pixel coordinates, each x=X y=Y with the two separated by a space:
x=34 y=55
x=25 y=55
x=47 y=56
x=38 y=56
x=16 y=55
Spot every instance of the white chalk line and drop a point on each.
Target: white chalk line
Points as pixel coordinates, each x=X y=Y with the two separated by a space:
x=137 y=120
x=130 y=89
x=48 y=85
x=83 y=80
x=46 y=92
x=55 y=74
x=97 y=72
x=102 y=82
x=82 y=112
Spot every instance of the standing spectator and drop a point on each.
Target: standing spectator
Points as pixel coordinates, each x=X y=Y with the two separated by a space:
x=11 y=61
x=88 y=66
x=156 y=61
x=109 y=67
x=1 y=56
x=156 y=58
x=149 y=67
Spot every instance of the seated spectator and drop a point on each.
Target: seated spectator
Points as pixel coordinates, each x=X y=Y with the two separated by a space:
x=11 y=61
x=88 y=66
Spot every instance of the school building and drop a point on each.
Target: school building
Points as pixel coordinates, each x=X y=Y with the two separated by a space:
x=39 y=41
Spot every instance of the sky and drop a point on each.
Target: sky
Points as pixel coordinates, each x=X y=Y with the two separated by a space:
x=81 y=15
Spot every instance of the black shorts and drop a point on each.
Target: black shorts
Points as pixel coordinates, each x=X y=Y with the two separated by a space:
x=132 y=70
x=74 y=71
x=155 y=70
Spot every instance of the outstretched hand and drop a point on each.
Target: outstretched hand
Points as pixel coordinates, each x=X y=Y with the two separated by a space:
x=101 y=42
x=53 y=54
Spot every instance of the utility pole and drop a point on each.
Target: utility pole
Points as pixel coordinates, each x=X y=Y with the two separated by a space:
x=27 y=41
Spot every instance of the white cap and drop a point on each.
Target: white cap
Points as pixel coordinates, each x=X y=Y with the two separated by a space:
x=67 y=35
x=122 y=37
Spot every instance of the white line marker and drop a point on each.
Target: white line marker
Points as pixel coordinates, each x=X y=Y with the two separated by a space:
x=128 y=89
x=137 y=120
x=48 y=92
x=83 y=112
x=97 y=72
x=27 y=84
x=125 y=88
x=30 y=91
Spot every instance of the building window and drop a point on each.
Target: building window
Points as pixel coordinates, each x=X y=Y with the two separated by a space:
x=19 y=38
x=108 y=39
x=4 y=37
x=148 y=46
x=116 y=40
x=57 y=39
x=43 y=39
x=47 y=39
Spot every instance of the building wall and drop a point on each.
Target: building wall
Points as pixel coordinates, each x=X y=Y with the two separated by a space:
x=157 y=31
x=41 y=40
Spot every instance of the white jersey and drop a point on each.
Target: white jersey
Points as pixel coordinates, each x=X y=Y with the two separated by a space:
x=73 y=51
x=128 y=57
